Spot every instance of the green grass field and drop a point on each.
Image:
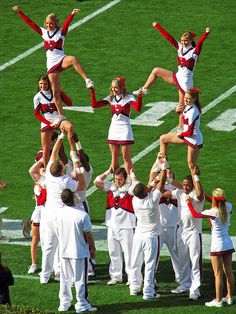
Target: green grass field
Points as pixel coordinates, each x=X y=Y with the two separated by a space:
x=120 y=41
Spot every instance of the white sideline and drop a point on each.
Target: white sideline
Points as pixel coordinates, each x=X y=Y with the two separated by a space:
x=155 y=144
x=84 y=20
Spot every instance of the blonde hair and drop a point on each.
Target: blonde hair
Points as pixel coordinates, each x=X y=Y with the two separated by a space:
x=221 y=206
x=122 y=87
x=52 y=16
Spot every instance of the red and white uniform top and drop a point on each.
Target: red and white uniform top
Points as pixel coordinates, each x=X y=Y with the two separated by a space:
x=119 y=208
x=40 y=194
x=120 y=131
x=120 y=106
x=53 y=40
x=148 y=215
x=220 y=239
x=72 y=223
x=191 y=126
x=187 y=58
x=45 y=109
x=186 y=220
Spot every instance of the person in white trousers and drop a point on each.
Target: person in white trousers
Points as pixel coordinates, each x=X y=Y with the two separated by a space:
x=75 y=234
x=55 y=182
x=120 y=222
x=146 y=243
x=189 y=241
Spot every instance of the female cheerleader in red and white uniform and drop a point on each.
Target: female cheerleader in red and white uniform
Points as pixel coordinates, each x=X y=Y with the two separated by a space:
x=53 y=38
x=221 y=244
x=188 y=52
x=45 y=111
x=120 y=131
x=40 y=194
x=190 y=133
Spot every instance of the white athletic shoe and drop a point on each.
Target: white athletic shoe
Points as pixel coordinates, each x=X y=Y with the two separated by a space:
x=32 y=269
x=57 y=277
x=89 y=83
x=63 y=308
x=113 y=282
x=193 y=296
x=147 y=297
x=141 y=91
x=91 y=273
x=179 y=290
x=229 y=301
x=91 y=309
x=214 y=303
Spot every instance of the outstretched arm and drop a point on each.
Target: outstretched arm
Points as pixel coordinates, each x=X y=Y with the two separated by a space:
x=66 y=24
x=94 y=102
x=196 y=214
x=166 y=35
x=27 y=20
x=200 y=41
x=137 y=105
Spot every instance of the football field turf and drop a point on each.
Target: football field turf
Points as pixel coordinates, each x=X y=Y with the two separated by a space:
x=117 y=40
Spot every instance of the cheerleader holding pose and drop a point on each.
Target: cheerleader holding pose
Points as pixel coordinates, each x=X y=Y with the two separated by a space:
x=120 y=131
x=45 y=111
x=221 y=244
x=40 y=194
x=53 y=38
x=190 y=133
x=188 y=52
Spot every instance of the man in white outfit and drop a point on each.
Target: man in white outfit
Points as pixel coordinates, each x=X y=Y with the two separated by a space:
x=189 y=241
x=75 y=234
x=120 y=221
x=146 y=243
x=169 y=220
x=55 y=182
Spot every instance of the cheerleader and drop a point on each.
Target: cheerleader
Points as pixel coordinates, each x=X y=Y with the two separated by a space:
x=188 y=53
x=120 y=132
x=46 y=112
x=53 y=38
x=221 y=244
x=190 y=133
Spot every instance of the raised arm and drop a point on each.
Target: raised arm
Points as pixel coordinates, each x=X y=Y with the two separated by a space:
x=166 y=35
x=56 y=147
x=197 y=184
x=27 y=20
x=200 y=41
x=66 y=24
x=83 y=157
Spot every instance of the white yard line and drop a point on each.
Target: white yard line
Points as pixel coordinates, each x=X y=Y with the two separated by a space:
x=155 y=144
x=84 y=20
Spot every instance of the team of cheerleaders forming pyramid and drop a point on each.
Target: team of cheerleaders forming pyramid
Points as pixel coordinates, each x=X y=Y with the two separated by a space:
x=48 y=110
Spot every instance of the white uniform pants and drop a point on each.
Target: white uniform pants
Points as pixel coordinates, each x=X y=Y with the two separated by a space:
x=190 y=253
x=145 y=249
x=74 y=270
x=118 y=240
x=49 y=244
x=168 y=237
